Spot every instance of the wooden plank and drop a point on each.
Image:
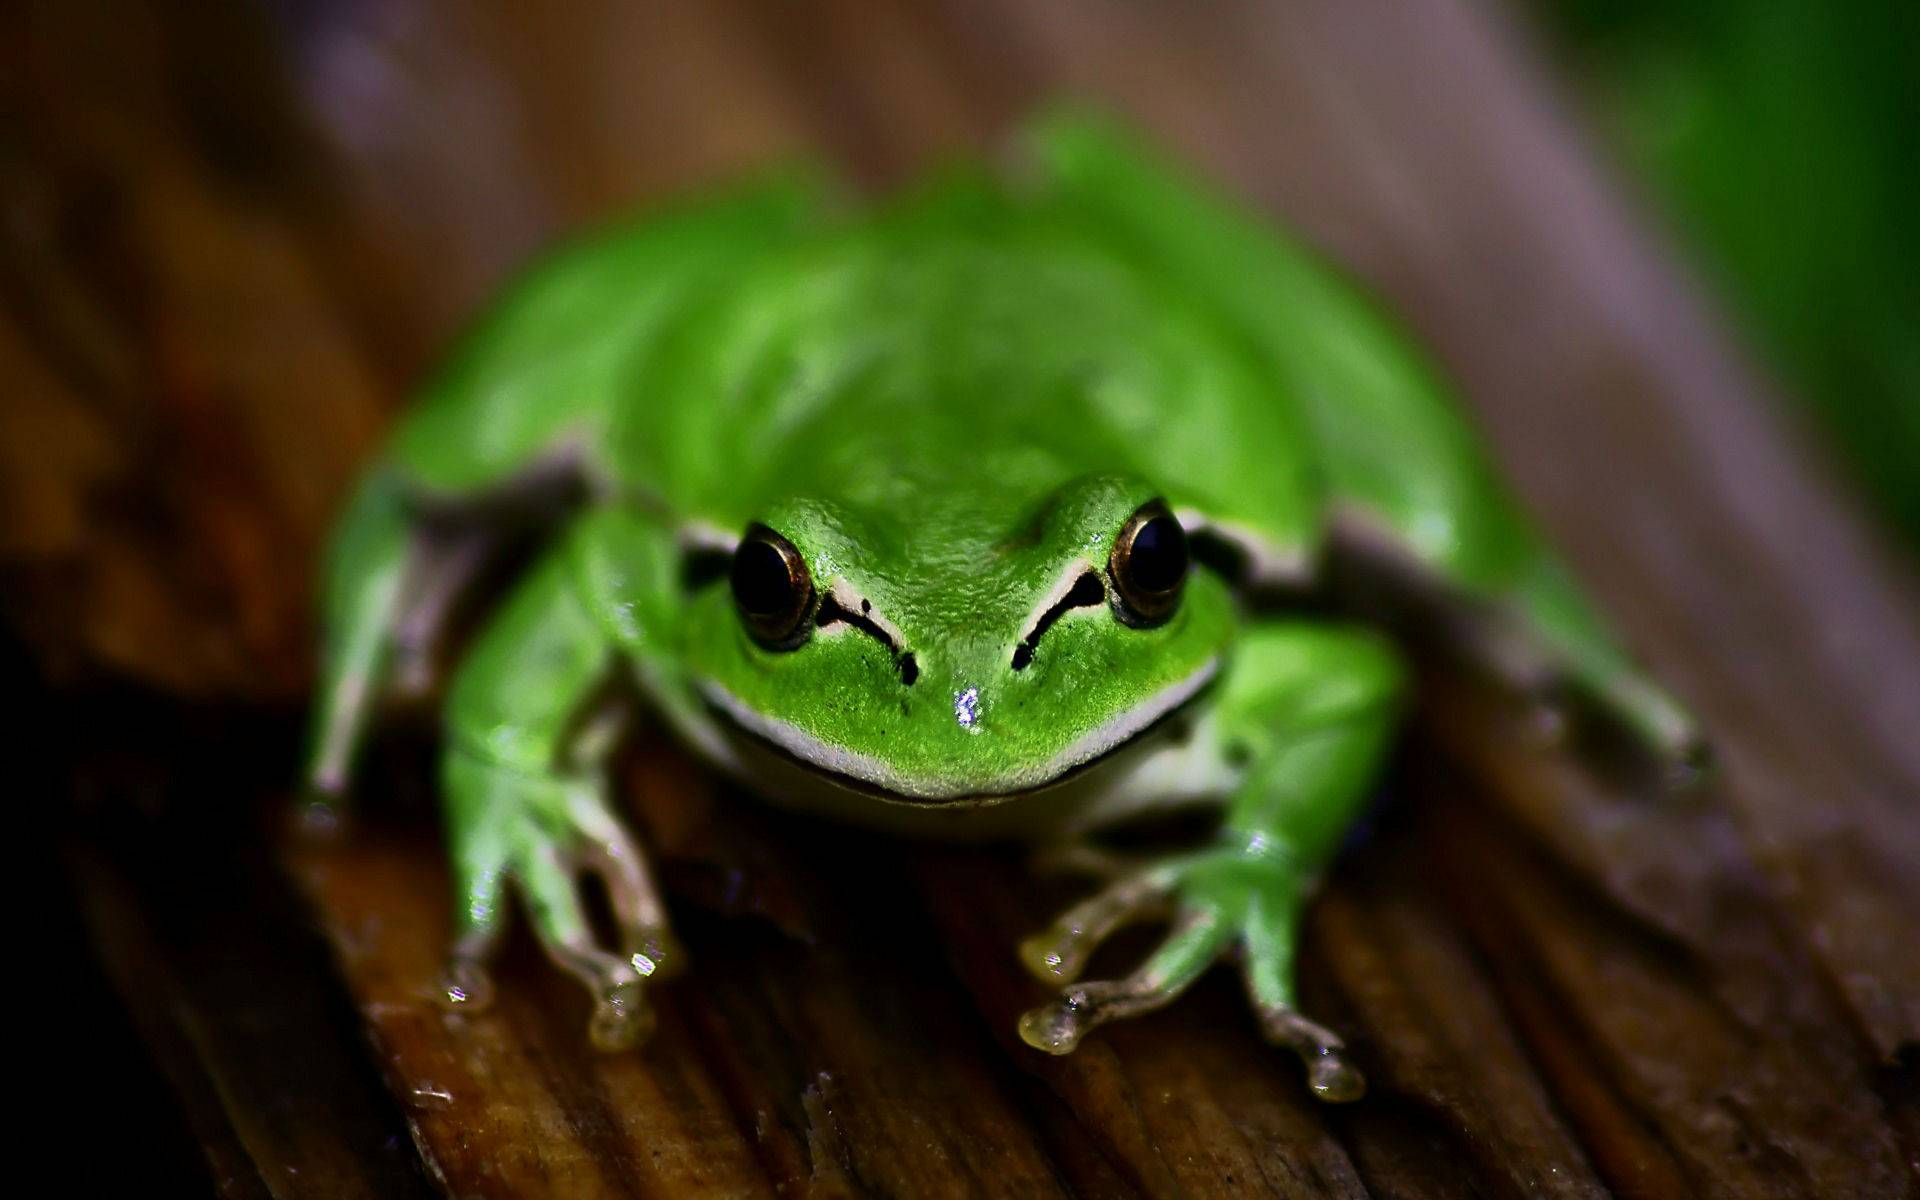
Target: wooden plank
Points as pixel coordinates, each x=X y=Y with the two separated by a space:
x=174 y=318
x=1706 y=1022
x=821 y=1047
x=124 y=947
x=242 y=1026
x=219 y=278
x=515 y=1101
x=209 y=953
x=461 y=138
x=1180 y=1101
x=1190 y=1097
x=1457 y=1090
x=843 y=1028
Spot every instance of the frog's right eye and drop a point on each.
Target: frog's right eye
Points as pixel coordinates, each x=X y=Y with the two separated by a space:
x=1149 y=564
x=771 y=588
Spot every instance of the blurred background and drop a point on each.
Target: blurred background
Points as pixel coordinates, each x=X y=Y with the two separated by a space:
x=1667 y=251
x=1780 y=138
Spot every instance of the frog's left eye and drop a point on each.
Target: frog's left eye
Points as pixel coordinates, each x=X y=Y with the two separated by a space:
x=1149 y=564
x=771 y=587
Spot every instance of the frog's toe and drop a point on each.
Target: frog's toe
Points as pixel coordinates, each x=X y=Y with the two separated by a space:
x=639 y=914
x=1197 y=939
x=1330 y=1071
x=467 y=985
x=1688 y=761
x=1058 y=953
x=480 y=884
x=1663 y=724
x=1267 y=937
x=621 y=1017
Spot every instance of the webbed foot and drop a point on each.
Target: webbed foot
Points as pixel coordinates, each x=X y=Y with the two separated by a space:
x=1240 y=900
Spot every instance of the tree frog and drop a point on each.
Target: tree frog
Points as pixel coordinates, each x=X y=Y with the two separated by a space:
x=1010 y=507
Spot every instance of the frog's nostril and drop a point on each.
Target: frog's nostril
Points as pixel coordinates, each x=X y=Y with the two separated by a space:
x=909 y=669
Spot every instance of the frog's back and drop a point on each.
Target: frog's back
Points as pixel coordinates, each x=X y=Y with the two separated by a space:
x=965 y=341
x=973 y=335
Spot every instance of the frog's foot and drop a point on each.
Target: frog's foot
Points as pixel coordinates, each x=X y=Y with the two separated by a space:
x=1556 y=695
x=548 y=852
x=1662 y=742
x=1197 y=938
x=1221 y=902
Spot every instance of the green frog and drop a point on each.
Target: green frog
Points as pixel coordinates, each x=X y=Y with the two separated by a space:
x=1008 y=508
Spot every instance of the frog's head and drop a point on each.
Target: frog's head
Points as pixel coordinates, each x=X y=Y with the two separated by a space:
x=962 y=650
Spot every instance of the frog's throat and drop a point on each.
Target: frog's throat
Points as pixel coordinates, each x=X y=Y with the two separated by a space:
x=868 y=774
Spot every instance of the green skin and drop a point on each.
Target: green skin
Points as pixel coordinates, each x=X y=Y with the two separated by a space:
x=951 y=408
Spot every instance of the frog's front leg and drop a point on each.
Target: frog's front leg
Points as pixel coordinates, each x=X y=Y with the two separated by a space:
x=1310 y=710
x=524 y=786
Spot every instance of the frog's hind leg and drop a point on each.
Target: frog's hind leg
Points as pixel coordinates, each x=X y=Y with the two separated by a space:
x=392 y=583
x=368 y=566
x=398 y=570
x=456 y=542
x=1544 y=611
x=443 y=569
x=1512 y=607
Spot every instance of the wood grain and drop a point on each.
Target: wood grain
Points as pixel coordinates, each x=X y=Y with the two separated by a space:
x=232 y=237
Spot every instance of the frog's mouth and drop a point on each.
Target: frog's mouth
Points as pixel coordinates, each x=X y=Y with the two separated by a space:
x=872 y=776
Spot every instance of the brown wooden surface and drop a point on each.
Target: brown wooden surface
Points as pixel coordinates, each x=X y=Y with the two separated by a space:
x=234 y=235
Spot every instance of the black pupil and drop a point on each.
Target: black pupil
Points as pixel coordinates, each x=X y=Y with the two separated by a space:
x=761 y=583
x=1158 y=559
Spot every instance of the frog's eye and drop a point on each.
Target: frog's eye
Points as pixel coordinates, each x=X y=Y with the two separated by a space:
x=771 y=588
x=1149 y=564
